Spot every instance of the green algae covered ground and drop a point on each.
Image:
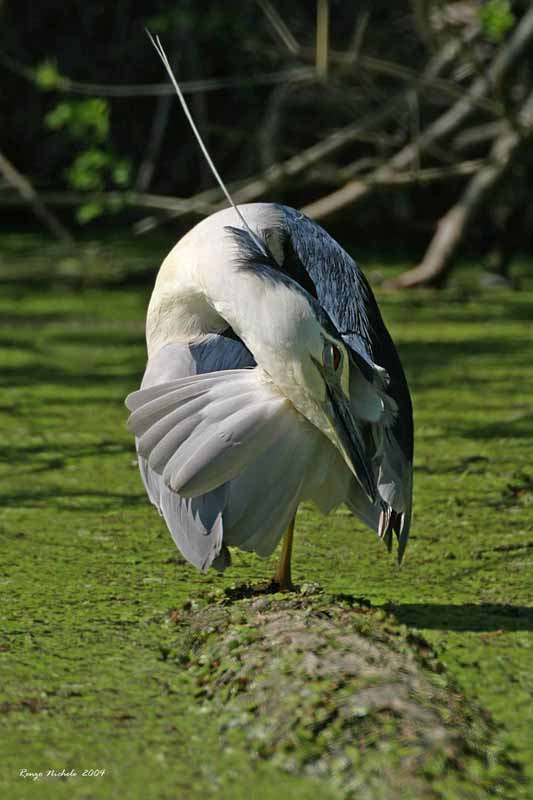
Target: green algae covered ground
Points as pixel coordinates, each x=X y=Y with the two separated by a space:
x=100 y=665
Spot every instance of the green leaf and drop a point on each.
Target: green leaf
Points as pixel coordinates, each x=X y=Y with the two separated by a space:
x=93 y=116
x=82 y=119
x=47 y=77
x=87 y=171
x=59 y=116
x=122 y=172
x=89 y=211
x=496 y=18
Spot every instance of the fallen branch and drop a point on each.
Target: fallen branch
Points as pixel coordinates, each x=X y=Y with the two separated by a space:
x=452 y=227
x=422 y=177
x=124 y=199
x=426 y=176
x=444 y=125
x=478 y=134
x=207 y=202
x=275 y=175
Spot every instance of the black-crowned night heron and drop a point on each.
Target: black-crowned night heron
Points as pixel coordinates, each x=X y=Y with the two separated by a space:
x=271 y=379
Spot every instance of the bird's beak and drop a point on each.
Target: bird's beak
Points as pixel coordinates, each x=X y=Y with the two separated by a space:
x=348 y=438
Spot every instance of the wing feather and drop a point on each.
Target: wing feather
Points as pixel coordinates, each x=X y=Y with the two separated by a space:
x=211 y=456
x=264 y=497
x=202 y=434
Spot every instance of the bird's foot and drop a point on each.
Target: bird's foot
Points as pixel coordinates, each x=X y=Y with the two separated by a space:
x=282 y=584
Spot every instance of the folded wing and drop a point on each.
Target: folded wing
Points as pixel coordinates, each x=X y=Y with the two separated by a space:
x=224 y=458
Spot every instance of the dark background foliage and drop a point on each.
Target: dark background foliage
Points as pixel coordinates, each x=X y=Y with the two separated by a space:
x=63 y=131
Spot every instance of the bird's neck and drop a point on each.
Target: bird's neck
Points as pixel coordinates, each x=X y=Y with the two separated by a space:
x=179 y=309
x=201 y=289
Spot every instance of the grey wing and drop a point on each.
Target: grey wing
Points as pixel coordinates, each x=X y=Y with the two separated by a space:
x=195 y=523
x=264 y=497
x=201 y=433
x=238 y=451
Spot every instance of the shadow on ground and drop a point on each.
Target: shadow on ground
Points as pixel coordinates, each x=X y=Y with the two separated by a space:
x=465 y=617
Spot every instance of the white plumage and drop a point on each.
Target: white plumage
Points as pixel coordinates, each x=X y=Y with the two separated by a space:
x=262 y=388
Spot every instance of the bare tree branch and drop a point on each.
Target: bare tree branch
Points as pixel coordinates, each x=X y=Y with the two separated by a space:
x=322 y=38
x=453 y=225
x=420 y=177
x=29 y=196
x=187 y=87
x=209 y=203
x=355 y=48
x=443 y=126
x=287 y=170
x=68 y=86
x=155 y=140
x=122 y=199
x=381 y=66
x=275 y=175
x=279 y=26
x=478 y=133
x=447 y=55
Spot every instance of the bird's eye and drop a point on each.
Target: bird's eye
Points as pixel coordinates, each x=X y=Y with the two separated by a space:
x=336 y=357
x=332 y=356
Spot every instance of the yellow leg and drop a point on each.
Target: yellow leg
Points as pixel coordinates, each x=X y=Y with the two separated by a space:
x=283 y=574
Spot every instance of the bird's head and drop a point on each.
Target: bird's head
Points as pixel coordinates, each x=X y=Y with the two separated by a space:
x=301 y=353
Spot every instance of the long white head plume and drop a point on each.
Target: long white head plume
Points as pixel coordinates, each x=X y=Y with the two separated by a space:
x=163 y=56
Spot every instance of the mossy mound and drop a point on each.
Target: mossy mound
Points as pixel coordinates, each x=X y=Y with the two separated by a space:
x=335 y=690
